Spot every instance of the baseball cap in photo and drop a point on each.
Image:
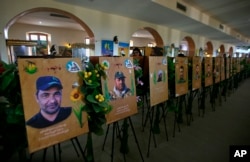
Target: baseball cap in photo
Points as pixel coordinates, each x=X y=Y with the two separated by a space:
x=46 y=82
x=119 y=74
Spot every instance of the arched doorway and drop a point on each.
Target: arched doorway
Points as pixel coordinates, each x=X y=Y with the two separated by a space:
x=55 y=19
x=190 y=46
x=209 y=49
x=230 y=52
x=45 y=9
x=221 y=50
x=156 y=35
x=146 y=38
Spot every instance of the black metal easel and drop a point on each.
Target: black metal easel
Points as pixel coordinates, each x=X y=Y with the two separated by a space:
x=191 y=96
x=151 y=115
x=178 y=114
x=202 y=100
x=117 y=130
x=60 y=151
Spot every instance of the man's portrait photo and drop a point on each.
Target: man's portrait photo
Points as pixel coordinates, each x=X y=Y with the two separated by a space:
x=120 y=90
x=49 y=97
x=181 y=75
x=197 y=72
x=160 y=75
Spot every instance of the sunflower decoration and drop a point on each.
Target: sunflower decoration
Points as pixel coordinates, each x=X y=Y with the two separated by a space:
x=96 y=105
x=76 y=97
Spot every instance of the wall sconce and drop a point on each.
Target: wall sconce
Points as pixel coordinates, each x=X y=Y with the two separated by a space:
x=87 y=41
x=69 y=45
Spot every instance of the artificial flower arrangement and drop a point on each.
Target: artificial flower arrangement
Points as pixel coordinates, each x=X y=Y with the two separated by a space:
x=139 y=83
x=95 y=104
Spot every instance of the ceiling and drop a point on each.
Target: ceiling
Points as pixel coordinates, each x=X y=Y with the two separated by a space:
x=234 y=14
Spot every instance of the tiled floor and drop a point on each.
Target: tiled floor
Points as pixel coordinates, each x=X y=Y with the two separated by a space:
x=207 y=139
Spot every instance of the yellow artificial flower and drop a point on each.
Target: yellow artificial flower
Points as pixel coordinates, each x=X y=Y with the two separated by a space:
x=99 y=97
x=104 y=67
x=76 y=95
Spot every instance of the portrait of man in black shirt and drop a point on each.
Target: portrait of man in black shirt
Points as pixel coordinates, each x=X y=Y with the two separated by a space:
x=49 y=97
x=181 y=75
x=120 y=89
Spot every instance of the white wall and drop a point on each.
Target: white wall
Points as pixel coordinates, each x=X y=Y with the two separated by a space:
x=104 y=26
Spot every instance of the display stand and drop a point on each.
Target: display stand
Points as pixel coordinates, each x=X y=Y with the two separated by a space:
x=191 y=97
x=213 y=95
x=149 y=116
x=116 y=130
x=202 y=100
x=33 y=69
x=230 y=86
x=178 y=87
x=224 y=88
x=154 y=120
x=145 y=100
x=59 y=150
x=194 y=83
x=178 y=114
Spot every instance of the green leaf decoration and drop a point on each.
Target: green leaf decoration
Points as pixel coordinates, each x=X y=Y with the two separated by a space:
x=79 y=116
x=91 y=98
x=106 y=91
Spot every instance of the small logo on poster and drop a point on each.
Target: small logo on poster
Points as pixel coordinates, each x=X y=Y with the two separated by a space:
x=128 y=63
x=73 y=67
x=106 y=64
x=164 y=61
x=239 y=153
x=30 y=67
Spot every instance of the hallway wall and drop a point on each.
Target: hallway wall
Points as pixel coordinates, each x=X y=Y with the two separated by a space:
x=103 y=25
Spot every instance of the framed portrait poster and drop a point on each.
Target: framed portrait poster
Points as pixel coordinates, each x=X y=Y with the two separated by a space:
x=234 y=65
x=241 y=64
x=238 y=64
x=52 y=100
x=119 y=87
x=228 y=62
x=217 y=69
x=196 y=72
x=181 y=76
x=208 y=66
x=158 y=79
x=222 y=69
